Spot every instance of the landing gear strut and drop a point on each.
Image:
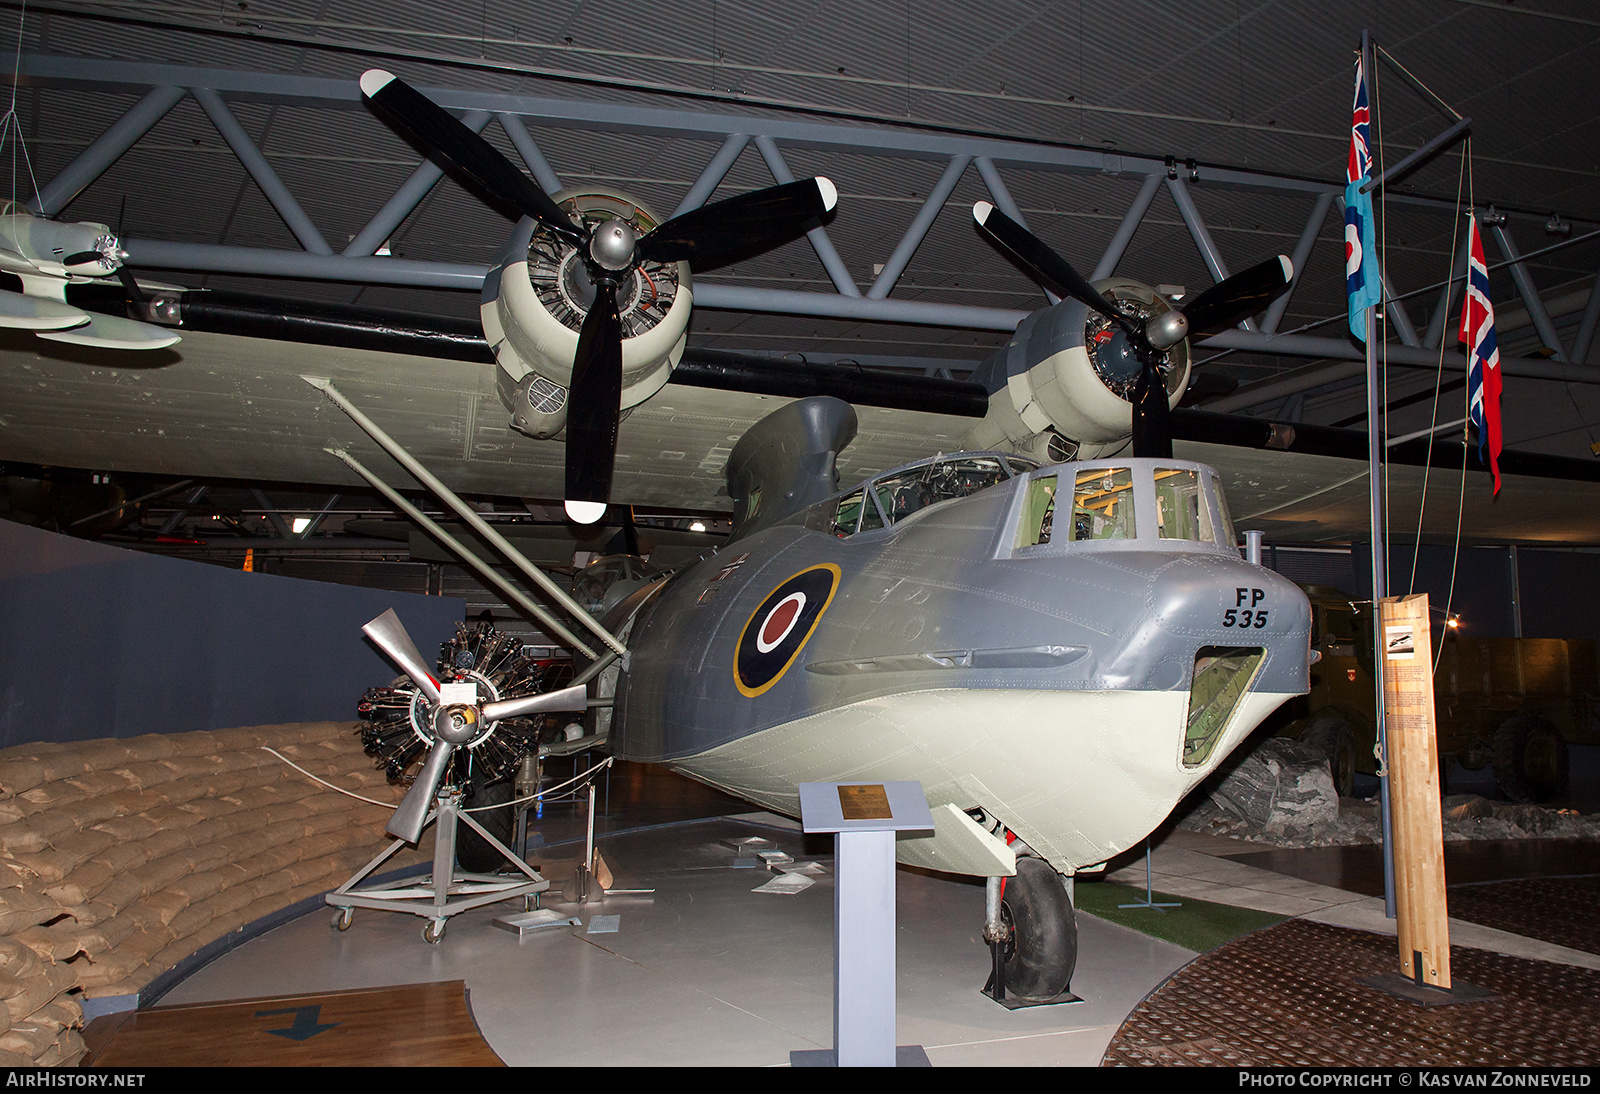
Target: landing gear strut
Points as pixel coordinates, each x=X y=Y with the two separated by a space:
x=1032 y=935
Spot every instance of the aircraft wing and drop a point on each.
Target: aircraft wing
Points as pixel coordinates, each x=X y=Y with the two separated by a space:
x=229 y=406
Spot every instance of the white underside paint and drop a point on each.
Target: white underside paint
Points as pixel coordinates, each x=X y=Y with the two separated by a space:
x=1079 y=776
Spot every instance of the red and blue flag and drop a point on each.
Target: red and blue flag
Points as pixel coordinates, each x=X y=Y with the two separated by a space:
x=1360 y=255
x=1483 y=358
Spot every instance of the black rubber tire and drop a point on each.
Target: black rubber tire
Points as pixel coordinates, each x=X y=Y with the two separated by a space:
x=1332 y=736
x=1044 y=947
x=473 y=852
x=1530 y=759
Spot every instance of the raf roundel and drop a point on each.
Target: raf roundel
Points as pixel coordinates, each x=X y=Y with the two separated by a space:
x=779 y=628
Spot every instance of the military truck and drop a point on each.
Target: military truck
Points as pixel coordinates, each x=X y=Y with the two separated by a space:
x=1515 y=703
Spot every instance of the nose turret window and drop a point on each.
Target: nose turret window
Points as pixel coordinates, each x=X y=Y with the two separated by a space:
x=1102 y=505
x=1181 y=509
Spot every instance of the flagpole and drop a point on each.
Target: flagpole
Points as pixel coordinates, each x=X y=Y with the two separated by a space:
x=1380 y=580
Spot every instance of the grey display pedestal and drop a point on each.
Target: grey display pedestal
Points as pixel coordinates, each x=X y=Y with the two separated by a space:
x=864 y=818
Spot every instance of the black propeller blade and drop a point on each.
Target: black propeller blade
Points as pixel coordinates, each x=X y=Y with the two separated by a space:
x=452 y=145
x=745 y=224
x=1042 y=262
x=1224 y=305
x=1231 y=301
x=594 y=407
x=750 y=222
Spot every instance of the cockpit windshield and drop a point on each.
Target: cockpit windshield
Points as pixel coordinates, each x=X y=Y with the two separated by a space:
x=903 y=493
x=897 y=495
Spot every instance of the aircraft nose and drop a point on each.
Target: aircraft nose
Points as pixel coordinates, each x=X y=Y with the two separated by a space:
x=1229 y=602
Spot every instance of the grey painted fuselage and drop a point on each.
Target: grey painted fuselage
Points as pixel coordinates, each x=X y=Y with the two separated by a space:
x=945 y=608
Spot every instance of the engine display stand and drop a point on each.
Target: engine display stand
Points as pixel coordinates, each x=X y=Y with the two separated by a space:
x=447 y=891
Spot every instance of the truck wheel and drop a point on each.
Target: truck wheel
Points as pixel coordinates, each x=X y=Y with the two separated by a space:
x=1044 y=943
x=1530 y=759
x=1333 y=738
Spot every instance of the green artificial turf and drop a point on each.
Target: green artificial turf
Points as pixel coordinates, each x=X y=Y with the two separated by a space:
x=1196 y=925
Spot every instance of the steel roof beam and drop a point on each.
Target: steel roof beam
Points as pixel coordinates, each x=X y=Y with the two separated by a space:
x=1003 y=201
x=106 y=149
x=1302 y=252
x=892 y=269
x=1130 y=224
x=382 y=226
x=831 y=262
x=109 y=75
x=1530 y=293
x=261 y=171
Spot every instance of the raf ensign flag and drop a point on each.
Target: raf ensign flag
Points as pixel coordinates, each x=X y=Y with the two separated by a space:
x=1360 y=259
x=1483 y=357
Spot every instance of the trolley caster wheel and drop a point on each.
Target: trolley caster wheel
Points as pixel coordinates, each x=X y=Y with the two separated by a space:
x=343 y=918
x=433 y=932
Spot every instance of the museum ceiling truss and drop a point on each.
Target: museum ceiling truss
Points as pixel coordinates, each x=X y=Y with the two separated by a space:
x=1533 y=345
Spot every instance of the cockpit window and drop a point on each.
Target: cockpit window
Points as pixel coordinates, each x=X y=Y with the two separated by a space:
x=1102 y=505
x=1038 y=512
x=847 y=518
x=1226 y=536
x=1181 y=509
x=902 y=494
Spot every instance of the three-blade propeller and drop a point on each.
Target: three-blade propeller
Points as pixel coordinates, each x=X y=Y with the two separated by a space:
x=451 y=724
x=738 y=226
x=1223 y=305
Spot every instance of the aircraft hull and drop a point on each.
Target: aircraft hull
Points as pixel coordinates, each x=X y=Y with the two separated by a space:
x=1079 y=776
x=1061 y=688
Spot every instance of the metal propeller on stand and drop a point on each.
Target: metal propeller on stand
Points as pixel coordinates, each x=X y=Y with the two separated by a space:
x=454 y=721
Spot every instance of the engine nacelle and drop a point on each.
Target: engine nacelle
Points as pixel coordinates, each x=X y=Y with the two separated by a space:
x=1063 y=387
x=535 y=299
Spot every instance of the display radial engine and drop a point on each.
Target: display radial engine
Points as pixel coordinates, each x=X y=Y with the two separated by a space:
x=1058 y=652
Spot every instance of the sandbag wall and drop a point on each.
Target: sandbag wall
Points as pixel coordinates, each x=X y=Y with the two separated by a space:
x=120 y=858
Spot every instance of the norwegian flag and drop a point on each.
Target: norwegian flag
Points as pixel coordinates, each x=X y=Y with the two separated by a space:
x=1360 y=257
x=1483 y=357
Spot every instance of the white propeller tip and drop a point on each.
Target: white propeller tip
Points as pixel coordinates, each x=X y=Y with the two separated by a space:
x=1288 y=268
x=375 y=80
x=586 y=512
x=830 y=193
x=981 y=211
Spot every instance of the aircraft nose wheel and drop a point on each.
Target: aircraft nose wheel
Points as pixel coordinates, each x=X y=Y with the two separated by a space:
x=1037 y=961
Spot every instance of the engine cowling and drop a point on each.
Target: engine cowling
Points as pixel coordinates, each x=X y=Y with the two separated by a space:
x=1063 y=386
x=535 y=299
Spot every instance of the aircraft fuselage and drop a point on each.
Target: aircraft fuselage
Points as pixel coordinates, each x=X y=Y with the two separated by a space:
x=1071 y=676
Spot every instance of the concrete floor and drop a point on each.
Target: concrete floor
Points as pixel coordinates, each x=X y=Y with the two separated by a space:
x=704 y=971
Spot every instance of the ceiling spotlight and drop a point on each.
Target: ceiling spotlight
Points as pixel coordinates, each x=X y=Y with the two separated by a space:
x=1555 y=226
x=698 y=526
x=301 y=524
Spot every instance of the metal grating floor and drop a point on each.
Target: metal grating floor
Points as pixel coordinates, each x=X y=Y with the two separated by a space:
x=1551 y=909
x=1290 y=995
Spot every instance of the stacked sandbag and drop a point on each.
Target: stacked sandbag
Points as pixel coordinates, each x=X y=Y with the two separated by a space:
x=119 y=858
